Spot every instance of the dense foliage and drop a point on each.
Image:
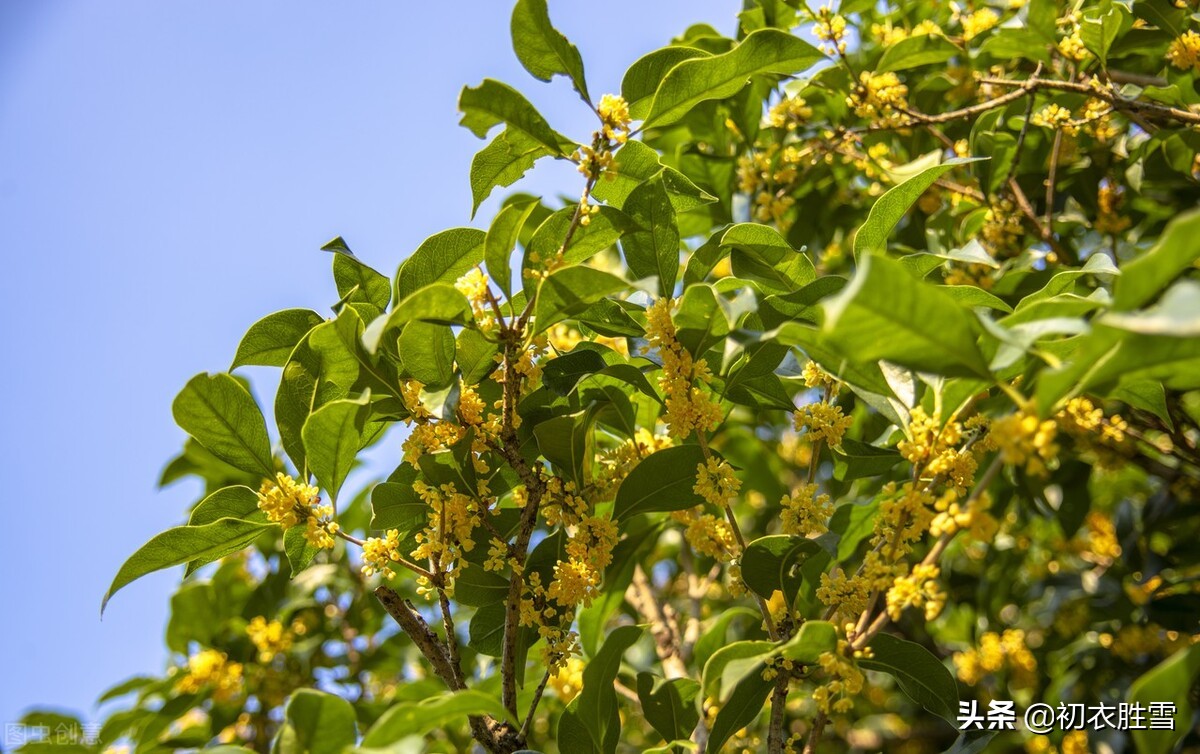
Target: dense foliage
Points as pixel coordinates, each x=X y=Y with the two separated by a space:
x=862 y=379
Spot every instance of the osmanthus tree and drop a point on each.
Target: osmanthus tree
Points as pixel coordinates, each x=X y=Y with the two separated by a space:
x=861 y=381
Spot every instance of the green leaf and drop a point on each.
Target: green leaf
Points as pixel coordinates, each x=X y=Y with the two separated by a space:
x=442 y=258
x=700 y=321
x=922 y=676
x=223 y=417
x=774 y=562
x=333 y=435
x=321 y=369
x=691 y=82
x=228 y=502
x=662 y=481
x=502 y=238
x=396 y=505
x=1149 y=273
x=563 y=442
x=493 y=102
x=605 y=228
x=634 y=164
x=560 y=375
x=1172 y=680
x=298 y=550
x=440 y=303
x=854 y=460
x=356 y=282
x=913 y=52
x=891 y=207
x=542 y=49
x=270 y=340
x=476 y=587
x=745 y=704
x=315 y=723
x=815 y=638
x=1099 y=27
x=884 y=313
x=597 y=707
x=761 y=254
x=475 y=354
x=654 y=249
x=570 y=291
x=503 y=162
x=427 y=353
x=643 y=77
x=668 y=704
x=183 y=544
x=419 y=718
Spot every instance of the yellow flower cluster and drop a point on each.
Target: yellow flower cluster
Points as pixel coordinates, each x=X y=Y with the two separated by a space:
x=775 y=665
x=1002 y=230
x=270 y=638
x=845 y=681
x=978 y=22
x=615 y=463
x=568 y=681
x=1025 y=440
x=831 y=29
x=822 y=421
x=953 y=517
x=288 y=502
x=448 y=533
x=430 y=437
x=1055 y=116
x=378 y=553
x=1072 y=47
x=708 y=534
x=805 y=512
x=715 y=482
x=535 y=610
x=932 y=449
x=1109 y=218
x=1102 y=543
x=919 y=589
x=816 y=377
x=410 y=394
x=997 y=652
x=878 y=96
x=562 y=502
x=212 y=668
x=788 y=113
x=474 y=285
x=889 y=35
x=1133 y=643
x=589 y=551
x=689 y=407
x=1184 y=52
x=614 y=115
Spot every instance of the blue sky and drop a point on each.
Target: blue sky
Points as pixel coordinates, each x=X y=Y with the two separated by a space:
x=167 y=174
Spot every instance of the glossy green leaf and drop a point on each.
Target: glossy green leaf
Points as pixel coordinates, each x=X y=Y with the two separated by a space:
x=1149 y=274
x=333 y=435
x=888 y=209
x=815 y=638
x=570 y=291
x=356 y=282
x=442 y=258
x=315 y=722
x=503 y=162
x=634 y=164
x=922 y=676
x=641 y=81
x=502 y=238
x=605 y=227
x=597 y=708
x=227 y=502
x=652 y=251
x=417 y=718
x=427 y=353
x=270 y=340
x=773 y=563
x=542 y=49
x=223 y=417
x=439 y=303
x=761 y=254
x=743 y=706
x=668 y=704
x=321 y=369
x=183 y=544
x=884 y=313
x=493 y=102
x=662 y=481
x=1173 y=681
x=916 y=51
x=691 y=82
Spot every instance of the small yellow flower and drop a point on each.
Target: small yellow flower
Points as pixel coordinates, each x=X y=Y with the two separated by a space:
x=614 y=115
x=878 y=96
x=210 y=668
x=978 y=22
x=715 y=481
x=269 y=638
x=1055 y=116
x=823 y=421
x=378 y=553
x=1184 y=52
x=286 y=501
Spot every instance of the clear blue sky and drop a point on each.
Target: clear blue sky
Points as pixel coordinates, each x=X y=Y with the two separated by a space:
x=167 y=173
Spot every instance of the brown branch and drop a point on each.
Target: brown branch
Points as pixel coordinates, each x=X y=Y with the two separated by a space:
x=1052 y=179
x=1119 y=103
x=776 y=743
x=665 y=632
x=814 y=736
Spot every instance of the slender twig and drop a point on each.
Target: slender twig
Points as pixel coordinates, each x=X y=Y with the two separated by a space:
x=533 y=705
x=1118 y=102
x=400 y=561
x=1052 y=180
